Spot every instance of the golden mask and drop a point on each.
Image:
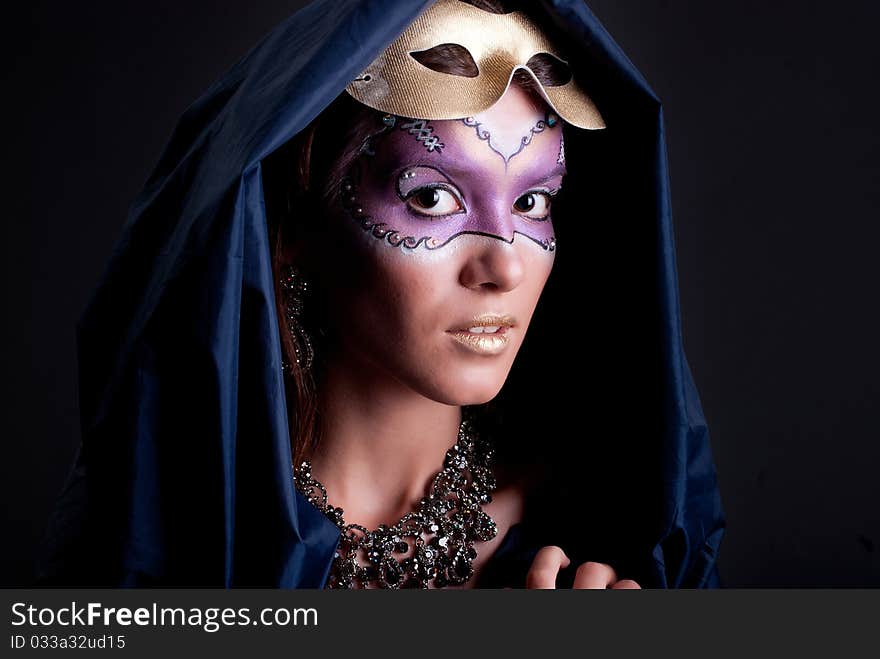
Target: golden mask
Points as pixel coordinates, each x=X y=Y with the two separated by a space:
x=500 y=44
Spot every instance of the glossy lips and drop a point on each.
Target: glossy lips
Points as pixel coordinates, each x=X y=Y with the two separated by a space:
x=485 y=335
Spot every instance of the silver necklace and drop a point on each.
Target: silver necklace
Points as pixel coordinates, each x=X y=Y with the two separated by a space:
x=433 y=544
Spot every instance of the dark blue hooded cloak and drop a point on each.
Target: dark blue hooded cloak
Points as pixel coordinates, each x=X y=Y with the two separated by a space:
x=184 y=473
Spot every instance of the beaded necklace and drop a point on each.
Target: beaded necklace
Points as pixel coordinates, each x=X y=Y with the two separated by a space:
x=433 y=545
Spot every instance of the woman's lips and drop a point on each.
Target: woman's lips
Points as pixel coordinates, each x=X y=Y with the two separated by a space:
x=486 y=334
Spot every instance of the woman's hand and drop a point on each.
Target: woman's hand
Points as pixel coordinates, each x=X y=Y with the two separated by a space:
x=549 y=560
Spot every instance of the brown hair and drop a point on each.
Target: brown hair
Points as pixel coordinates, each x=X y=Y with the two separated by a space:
x=299 y=181
x=303 y=175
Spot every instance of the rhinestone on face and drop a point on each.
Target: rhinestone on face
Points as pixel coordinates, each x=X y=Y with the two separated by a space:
x=450 y=512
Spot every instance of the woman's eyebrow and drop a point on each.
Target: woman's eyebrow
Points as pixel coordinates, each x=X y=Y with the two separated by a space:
x=401 y=180
x=414 y=166
x=421 y=164
x=559 y=170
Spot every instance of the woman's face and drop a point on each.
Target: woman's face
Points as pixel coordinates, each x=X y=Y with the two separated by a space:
x=440 y=244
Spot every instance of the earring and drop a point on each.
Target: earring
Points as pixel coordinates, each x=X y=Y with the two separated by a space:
x=295 y=287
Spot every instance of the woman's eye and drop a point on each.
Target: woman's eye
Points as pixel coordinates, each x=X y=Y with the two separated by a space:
x=433 y=201
x=534 y=205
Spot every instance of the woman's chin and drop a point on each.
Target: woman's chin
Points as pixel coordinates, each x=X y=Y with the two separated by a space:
x=469 y=391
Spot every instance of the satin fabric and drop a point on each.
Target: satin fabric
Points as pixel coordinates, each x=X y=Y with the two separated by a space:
x=184 y=473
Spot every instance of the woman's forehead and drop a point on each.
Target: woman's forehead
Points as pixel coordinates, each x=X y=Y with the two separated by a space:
x=516 y=138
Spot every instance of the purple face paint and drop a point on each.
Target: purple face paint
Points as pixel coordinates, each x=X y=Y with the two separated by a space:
x=421 y=184
x=507 y=151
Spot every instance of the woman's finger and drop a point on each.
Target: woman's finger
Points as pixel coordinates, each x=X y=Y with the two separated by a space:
x=626 y=584
x=594 y=575
x=548 y=561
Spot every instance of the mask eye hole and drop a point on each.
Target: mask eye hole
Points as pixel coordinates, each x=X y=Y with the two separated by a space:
x=549 y=70
x=449 y=58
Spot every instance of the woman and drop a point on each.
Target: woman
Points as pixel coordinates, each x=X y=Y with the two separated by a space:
x=408 y=220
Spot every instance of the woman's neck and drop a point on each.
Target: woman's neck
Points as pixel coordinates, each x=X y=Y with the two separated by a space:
x=381 y=442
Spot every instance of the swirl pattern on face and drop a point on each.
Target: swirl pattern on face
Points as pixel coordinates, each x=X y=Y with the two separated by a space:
x=420 y=184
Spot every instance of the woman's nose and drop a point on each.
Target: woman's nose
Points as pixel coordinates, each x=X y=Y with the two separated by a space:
x=493 y=264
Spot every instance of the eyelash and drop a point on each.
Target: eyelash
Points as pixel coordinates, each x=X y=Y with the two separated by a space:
x=551 y=194
x=435 y=186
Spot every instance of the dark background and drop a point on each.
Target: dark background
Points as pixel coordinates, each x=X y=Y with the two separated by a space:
x=772 y=114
